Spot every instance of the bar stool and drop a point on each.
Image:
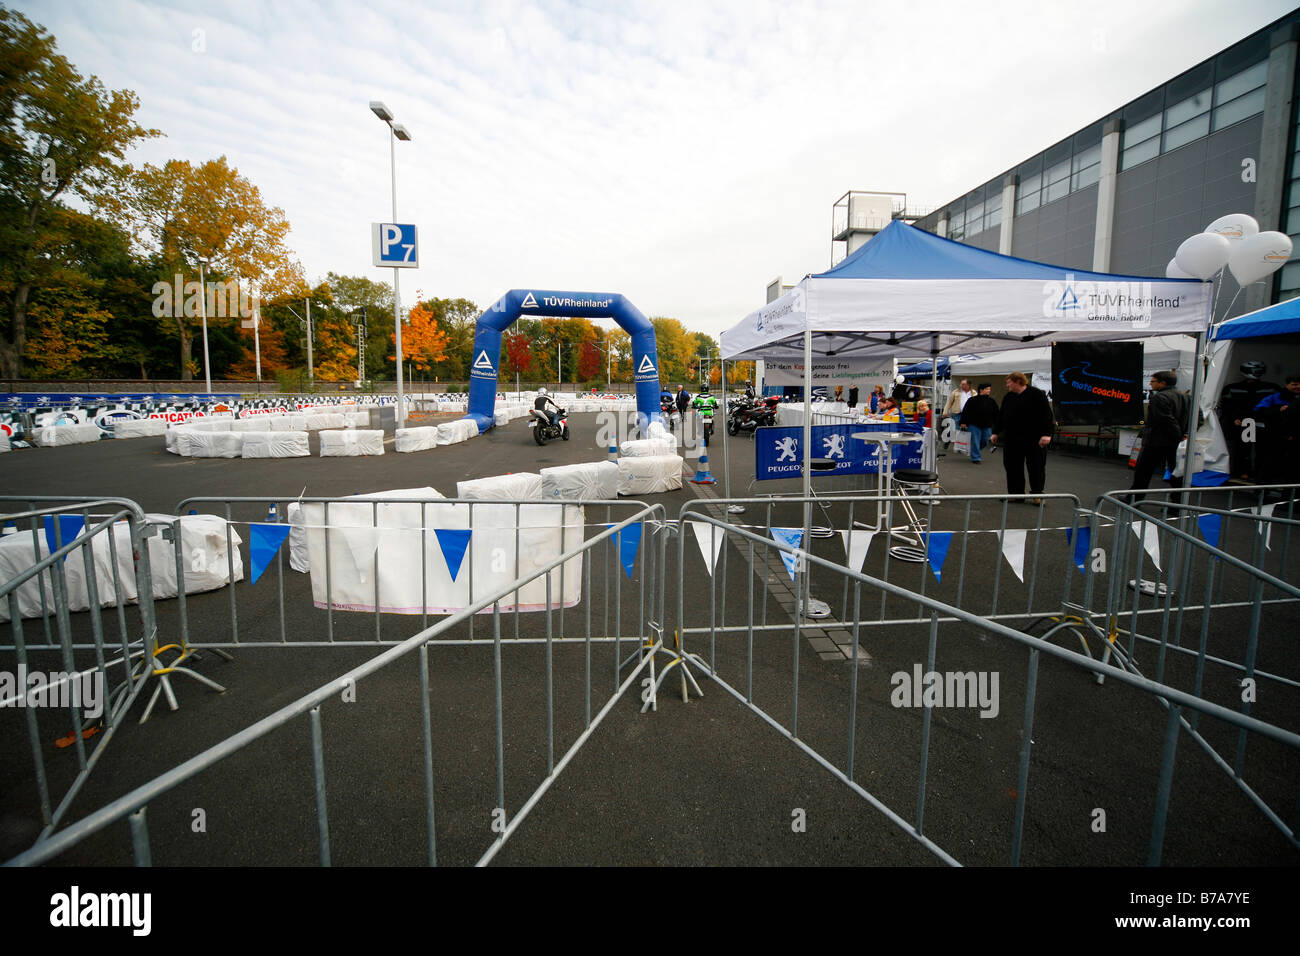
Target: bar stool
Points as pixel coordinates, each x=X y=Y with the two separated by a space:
x=822 y=466
x=908 y=483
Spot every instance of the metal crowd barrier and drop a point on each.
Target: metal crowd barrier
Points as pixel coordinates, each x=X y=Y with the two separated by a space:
x=644 y=641
x=89 y=696
x=754 y=653
x=292 y=619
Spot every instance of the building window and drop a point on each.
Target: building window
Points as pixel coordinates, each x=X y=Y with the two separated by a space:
x=974 y=219
x=1085 y=168
x=1056 y=182
x=993 y=211
x=957 y=224
x=1027 y=194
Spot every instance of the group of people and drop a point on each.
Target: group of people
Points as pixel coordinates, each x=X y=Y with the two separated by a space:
x=1022 y=427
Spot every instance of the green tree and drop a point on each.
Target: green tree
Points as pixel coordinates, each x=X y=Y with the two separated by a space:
x=60 y=135
x=677 y=349
x=355 y=293
x=182 y=213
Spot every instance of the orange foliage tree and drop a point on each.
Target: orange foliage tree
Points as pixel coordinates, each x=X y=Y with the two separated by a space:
x=423 y=343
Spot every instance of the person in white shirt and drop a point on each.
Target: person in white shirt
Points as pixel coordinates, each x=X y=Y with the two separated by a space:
x=953 y=407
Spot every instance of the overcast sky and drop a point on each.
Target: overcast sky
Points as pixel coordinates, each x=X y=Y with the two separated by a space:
x=681 y=153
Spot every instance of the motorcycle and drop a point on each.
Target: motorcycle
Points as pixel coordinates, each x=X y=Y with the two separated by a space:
x=544 y=431
x=747 y=415
x=668 y=409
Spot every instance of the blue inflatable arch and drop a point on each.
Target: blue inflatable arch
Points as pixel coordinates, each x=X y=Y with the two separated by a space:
x=502 y=314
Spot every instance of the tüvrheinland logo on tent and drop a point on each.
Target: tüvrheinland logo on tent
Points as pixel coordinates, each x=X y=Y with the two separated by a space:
x=646 y=367
x=529 y=302
x=482 y=366
x=1104 y=302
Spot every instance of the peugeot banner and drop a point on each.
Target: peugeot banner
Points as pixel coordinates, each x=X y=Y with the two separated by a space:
x=778 y=452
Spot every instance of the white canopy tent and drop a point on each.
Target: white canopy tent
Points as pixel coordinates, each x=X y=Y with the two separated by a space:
x=909 y=293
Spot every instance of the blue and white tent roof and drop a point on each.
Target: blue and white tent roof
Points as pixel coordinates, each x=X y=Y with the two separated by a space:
x=1279 y=319
x=909 y=292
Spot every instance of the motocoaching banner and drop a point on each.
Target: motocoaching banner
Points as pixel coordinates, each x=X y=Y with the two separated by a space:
x=1097 y=383
x=778 y=451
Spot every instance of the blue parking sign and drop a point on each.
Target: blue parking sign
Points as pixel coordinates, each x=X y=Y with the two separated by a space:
x=394 y=245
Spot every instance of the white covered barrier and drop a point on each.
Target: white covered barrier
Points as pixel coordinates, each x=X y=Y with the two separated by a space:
x=4 y=443
x=421 y=438
x=462 y=429
x=139 y=428
x=351 y=443
x=52 y=435
x=501 y=418
x=659 y=432
x=214 y=444
x=203 y=561
x=519 y=485
x=646 y=447
x=260 y=444
x=322 y=420
x=649 y=475
x=299 y=556
x=401 y=543
x=595 y=481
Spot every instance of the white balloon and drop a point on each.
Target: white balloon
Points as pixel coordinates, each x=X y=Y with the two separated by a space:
x=1234 y=227
x=1203 y=254
x=1258 y=256
x=1173 y=272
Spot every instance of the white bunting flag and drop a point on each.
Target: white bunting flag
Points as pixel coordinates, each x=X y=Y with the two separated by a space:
x=1013 y=549
x=709 y=537
x=1266 y=511
x=1150 y=536
x=856 y=544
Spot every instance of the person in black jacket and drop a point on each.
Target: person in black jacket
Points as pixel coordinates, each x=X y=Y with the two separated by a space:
x=1165 y=427
x=978 y=417
x=1023 y=432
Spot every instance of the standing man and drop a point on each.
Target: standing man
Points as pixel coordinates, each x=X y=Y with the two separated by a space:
x=1023 y=432
x=1165 y=427
x=954 y=407
x=853 y=398
x=1276 y=424
x=978 y=417
x=683 y=401
x=1236 y=404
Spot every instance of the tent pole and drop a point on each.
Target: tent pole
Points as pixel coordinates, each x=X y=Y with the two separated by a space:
x=1194 y=415
x=806 y=542
x=934 y=399
x=726 y=457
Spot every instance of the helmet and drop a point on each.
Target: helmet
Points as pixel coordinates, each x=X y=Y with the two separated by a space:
x=704 y=387
x=1253 y=369
x=541 y=393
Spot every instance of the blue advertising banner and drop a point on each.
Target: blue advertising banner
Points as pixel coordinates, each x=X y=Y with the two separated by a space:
x=778 y=452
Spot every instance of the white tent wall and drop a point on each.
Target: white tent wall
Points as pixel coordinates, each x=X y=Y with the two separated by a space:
x=1159 y=354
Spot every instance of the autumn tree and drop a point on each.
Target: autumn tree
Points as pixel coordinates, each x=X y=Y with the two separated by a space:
x=621 y=343
x=518 y=353
x=423 y=343
x=60 y=136
x=182 y=213
x=676 y=347
x=355 y=294
x=590 y=361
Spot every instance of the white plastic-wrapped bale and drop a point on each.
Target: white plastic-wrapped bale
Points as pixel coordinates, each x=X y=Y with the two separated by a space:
x=357 y=419
x=52 y=435
x=216 y=445
x=351 y=443
x=501 y=418
x=649 y=475
x=421 y=438
x=4 y=443
x=401 y=563
x=204 y=563
x=657 y=431
x=140 y=428
x=321 y=420
x=522 y=484
x=595 y=481
x=275 y=445
x=462 y=429
x=645 y=447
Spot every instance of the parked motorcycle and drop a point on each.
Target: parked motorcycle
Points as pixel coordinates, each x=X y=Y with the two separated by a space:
x=746 y=415
x=544 y=431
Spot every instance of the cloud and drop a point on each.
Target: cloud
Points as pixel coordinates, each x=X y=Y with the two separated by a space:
x=682 y=153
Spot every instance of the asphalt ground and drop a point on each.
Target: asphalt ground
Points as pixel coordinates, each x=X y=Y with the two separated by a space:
x=707 y=782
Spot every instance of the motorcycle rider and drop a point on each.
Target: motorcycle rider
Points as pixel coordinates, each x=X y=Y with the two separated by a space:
x=706 y=405
x=749 y=391
x=543 y=399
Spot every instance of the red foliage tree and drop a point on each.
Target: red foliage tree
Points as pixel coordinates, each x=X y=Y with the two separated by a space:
x=519 y=354
x=589 y=361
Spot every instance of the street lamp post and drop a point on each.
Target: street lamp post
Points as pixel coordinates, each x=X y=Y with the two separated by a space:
x=203 y=292
x=398 y=131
